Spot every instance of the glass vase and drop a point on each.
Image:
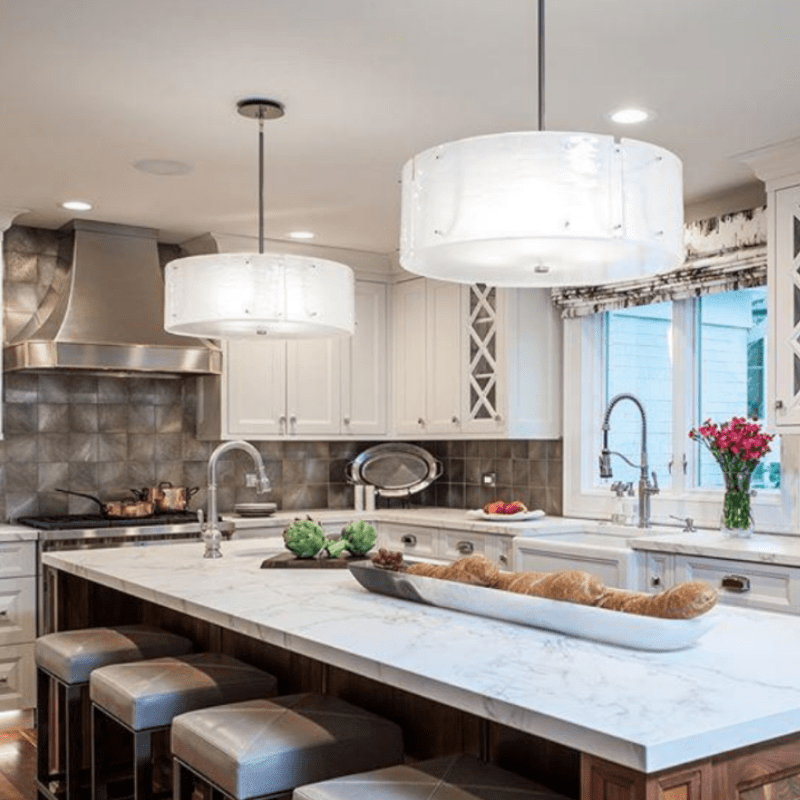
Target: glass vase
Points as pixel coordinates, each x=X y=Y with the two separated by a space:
x=737 y=519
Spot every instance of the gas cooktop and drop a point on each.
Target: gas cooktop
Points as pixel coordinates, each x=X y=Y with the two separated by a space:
x=73 y=522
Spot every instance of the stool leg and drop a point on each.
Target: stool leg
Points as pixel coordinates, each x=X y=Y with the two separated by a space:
x=72 y=711
x=99 y=757
x=142 y=765
x=43 y=727
x=182 y=782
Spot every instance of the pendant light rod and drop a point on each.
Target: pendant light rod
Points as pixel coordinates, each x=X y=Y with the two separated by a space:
x=540 y=53
x=260 y=109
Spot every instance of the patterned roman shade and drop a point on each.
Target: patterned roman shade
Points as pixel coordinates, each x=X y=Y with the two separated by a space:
x=722 y=254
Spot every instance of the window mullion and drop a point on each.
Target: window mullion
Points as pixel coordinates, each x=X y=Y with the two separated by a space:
x=684 y=392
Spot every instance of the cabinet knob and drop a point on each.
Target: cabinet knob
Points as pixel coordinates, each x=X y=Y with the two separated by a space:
x=346 y=420
x=454 y=420
x=779 y=404
x=409 y=539
x=420 y=421
x=498 y=417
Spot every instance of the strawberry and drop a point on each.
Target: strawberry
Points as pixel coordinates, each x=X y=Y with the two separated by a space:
x=515 y=507
x=495 y=507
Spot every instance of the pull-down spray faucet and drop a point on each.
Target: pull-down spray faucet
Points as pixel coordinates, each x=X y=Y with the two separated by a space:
x=646 y=488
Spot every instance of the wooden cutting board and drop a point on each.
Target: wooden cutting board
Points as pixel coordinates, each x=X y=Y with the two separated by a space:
x=291 y=561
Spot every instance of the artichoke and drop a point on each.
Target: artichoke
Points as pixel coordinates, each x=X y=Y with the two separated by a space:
x=304 y=537
x=336 y=547
x=360 y=537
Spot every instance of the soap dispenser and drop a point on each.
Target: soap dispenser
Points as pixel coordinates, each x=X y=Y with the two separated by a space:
x=618 y=514
x=629 y=505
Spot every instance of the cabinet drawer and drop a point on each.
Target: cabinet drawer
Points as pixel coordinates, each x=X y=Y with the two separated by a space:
x=411 y=540
x=17 y=559
x=769 y=586
x=17 y=610
x=17 y=677
x=457 y=544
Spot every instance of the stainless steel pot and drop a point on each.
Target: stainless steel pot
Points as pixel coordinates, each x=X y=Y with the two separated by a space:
x=118 y=509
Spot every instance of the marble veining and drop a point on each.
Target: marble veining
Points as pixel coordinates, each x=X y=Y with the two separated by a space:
x=739 y=685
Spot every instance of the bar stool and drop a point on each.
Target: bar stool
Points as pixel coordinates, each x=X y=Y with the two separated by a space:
x=458 y=776
x=64 y=662
x=265 y=748
x=143 y=697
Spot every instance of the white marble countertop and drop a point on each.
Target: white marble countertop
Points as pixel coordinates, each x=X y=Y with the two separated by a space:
x=766 y=548
x=18 y=533
x=739 y=685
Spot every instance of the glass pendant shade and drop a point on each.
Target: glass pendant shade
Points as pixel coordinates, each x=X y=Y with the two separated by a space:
x=542 y=208
x=244 y=295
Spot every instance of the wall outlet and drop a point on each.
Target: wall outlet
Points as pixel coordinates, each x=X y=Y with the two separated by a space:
x=490 y=479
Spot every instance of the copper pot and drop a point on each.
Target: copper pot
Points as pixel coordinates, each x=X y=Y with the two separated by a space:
x=119 y=509
x=167 y=497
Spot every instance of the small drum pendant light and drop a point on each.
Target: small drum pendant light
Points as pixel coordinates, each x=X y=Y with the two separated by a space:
x=250 y=295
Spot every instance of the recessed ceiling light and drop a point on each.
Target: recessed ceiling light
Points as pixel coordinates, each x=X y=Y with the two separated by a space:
x=630 y=116
x=161 y=166
x=77 y=205
x=301 y=235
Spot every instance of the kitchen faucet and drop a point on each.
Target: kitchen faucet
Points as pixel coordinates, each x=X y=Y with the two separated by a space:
x=646 y=488
x=210 y=529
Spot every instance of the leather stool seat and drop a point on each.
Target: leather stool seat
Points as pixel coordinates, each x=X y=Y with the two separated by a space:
x=148 y=694
x=72 y=655
x=144 y=696
x=263 y=747
x=456 y=777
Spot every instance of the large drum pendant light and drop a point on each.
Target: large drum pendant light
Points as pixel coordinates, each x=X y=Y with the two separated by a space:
x=542 y=208
x=244 y=295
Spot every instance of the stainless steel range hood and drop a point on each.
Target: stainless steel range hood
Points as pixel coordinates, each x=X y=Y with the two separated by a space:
x=104 y=312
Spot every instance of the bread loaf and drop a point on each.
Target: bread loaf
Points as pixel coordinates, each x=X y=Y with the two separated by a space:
x=476 y=570
x=573 y=586
x=684 y=601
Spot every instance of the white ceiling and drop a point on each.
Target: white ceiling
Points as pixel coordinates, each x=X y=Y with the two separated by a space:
x=90 y=86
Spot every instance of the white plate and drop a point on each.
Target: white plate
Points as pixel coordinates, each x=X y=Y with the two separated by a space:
x=586 y=622
x=520 y=516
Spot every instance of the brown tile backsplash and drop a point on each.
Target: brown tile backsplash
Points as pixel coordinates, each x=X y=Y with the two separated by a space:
x=104 y=435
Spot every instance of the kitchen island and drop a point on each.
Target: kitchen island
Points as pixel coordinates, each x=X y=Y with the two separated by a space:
x=685 y=725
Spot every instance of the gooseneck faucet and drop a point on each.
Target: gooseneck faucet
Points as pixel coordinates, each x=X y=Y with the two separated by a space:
x=646 y=488
x=211 y=527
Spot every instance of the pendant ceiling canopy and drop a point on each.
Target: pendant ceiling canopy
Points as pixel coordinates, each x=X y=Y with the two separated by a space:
x=251 y=295
x=542 y=208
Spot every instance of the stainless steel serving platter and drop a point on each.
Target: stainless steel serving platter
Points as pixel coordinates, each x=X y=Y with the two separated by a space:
x=395 y=469
x=586 y=622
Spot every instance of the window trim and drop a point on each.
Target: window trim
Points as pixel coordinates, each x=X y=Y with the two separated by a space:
x=774 y=512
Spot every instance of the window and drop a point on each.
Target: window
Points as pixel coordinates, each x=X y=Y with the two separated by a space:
x=685 y=361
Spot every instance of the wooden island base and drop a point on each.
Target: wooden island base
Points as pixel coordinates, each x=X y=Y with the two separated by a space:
x=770 y=771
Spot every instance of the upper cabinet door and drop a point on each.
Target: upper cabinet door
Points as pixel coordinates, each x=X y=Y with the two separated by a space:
x=313 y=403
x=409 y=344
x=784 y=295
x=255 y=387
x=444 y=363
x=364 y=355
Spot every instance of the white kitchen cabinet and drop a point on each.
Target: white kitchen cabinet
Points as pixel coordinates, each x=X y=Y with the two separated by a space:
x=445 y=544
x=276 y=389
x=784 y=295
x=364 y=375
x=17 y=624
x=475 y=361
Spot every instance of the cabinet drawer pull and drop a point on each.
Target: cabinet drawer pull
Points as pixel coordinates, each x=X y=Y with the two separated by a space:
x=655 y=581
x=3 y=680
x=503 y=559
x=465 y=548
x=409 y=539
x=736 y=583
